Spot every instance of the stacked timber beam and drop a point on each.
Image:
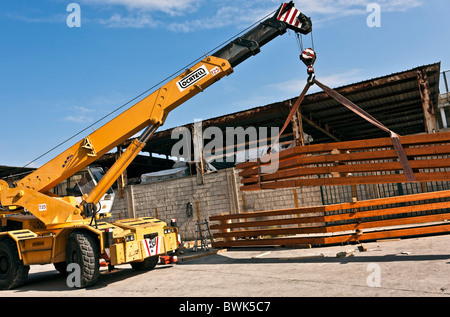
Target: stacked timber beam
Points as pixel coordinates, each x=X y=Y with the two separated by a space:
x=420 y=214
x=371 y=161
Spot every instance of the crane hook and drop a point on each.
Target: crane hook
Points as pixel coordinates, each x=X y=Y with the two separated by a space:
x=308 y=57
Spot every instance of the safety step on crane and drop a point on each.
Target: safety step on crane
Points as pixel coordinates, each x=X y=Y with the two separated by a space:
x=42 y=225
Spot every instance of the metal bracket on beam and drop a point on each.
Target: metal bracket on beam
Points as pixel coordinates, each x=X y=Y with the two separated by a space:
x=252 y=46
x=88 y=146
x=274 y=23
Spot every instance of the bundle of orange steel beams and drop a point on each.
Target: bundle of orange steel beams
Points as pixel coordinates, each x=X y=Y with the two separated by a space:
x=372 y=161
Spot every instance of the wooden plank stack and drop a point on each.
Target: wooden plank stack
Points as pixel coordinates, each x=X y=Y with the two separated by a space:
x=371 y=161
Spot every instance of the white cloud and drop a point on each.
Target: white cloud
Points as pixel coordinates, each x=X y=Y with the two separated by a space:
x=141 y=20
x=295 y=86
x=234 y=12
x=78 y=119
x=226 y=14
x=194 y=15
x=93 y=108
x=341 y=8
x=326 y=10
x=171 y=7
x=82 y=109
x=80 y=114
x=104 y=102
x=400 y=5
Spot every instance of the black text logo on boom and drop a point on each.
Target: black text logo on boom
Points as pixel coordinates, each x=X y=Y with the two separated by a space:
x=192 y=78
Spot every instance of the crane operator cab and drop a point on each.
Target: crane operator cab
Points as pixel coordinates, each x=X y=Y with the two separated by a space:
x=82 y=183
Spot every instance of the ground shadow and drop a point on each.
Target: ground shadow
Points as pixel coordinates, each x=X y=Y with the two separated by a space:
x=221 y=259
x=52 y=281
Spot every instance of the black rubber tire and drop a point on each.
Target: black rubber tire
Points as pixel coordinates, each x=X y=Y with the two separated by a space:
x=61 y=267
x=146 y=265
x=82 y=250
x=13 y=272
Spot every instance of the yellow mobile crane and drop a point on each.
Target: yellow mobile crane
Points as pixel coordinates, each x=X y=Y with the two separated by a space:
x=41 y=227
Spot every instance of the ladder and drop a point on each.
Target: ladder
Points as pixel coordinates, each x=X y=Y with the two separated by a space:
x=202 y=234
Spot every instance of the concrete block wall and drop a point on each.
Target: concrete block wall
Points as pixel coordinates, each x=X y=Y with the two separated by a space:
x=169 y=199
x=218 y=194
x=273 y=199
x=285 y=198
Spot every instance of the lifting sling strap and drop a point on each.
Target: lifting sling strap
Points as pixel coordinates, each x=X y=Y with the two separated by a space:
x=363 y=114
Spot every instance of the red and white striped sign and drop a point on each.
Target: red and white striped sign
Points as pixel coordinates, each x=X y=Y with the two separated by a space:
x=290 y=16
x=152 y=247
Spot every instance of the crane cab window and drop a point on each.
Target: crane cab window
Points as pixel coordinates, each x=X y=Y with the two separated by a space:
x=83 y=184
x=97 y=174
x=77 y=185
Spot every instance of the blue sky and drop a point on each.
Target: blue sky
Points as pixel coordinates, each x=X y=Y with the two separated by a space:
x=56 y=80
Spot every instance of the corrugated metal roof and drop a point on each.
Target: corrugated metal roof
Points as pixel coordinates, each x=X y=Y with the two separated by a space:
x=11 y=173
x=393 y=99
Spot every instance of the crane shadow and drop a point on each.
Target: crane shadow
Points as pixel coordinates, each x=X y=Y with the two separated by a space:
x=52 y=281
x=223 y=259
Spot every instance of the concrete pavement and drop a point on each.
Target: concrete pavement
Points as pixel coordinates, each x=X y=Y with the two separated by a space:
x=416 y=267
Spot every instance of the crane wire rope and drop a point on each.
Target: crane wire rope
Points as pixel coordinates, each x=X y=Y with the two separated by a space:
x=148 y=90
x=299 y=39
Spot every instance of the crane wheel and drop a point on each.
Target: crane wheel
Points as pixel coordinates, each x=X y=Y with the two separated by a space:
x=146 y=265
x=82 y=250
x=13 y=272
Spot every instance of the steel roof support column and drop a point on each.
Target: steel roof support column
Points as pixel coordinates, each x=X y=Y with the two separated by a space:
x=427 y=102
